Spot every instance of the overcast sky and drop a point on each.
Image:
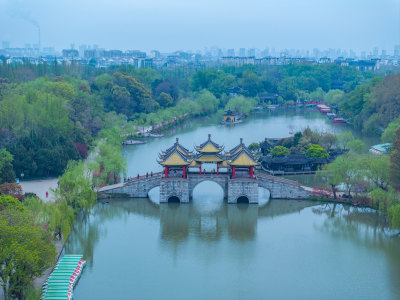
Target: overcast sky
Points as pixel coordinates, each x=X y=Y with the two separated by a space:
x=195 y=24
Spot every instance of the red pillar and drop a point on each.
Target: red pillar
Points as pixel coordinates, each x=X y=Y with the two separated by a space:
x=217 y=169
x=251 y=172
x=200 y=169
x=184 y=171
x=233 y=172
x=166 y=172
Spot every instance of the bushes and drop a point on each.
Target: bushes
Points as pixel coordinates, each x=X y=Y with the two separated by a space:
x=279 y=151
x=316 y=151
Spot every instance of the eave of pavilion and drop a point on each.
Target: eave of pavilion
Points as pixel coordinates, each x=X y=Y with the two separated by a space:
x=174 y=158
x=209 y=147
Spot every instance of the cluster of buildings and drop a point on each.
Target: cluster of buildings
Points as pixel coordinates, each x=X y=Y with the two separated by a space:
x=212 y=57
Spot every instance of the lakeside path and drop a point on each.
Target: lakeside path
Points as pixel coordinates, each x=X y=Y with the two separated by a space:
x=40 y=187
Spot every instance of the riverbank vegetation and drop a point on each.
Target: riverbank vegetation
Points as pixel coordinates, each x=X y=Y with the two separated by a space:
x=368 y=179
x=26 y=247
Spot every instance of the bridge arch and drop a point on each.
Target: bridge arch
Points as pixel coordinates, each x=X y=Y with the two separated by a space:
x=174 y=199
x=220 y=181
x=243 y=199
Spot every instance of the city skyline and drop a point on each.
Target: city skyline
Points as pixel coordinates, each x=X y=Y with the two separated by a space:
x=191 y=25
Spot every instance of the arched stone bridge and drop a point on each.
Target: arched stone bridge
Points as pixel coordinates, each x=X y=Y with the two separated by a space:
x=182 y=189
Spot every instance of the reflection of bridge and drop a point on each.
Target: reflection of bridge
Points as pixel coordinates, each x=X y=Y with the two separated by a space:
x=182 y=188
x=177 y=222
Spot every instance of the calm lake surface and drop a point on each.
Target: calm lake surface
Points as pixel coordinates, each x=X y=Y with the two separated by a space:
x=280 y=249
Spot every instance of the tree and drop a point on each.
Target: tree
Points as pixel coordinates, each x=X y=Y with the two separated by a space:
x=356 y=145
x=333 y=96
x=328 y=141
x=25 y=251
x=255 y=147
x=344 y=138
x=250 y=82
x=342 y=171
x=242 y=104
x=316 y=151
x=395 y=162
x=9 y=202
x=389 y=135
x=375 y=169
x=207 y=101
x=6 y=168
x=165 y=100
x=279 y=151
x=394 y=214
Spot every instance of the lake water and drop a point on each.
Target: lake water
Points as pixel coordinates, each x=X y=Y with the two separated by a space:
x=280 y=249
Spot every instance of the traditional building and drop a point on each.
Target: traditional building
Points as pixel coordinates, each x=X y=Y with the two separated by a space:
x=175 y=160
x=208 y=152
x=230 y=116
x=241 y=161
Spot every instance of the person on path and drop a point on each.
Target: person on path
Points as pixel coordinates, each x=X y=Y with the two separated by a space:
x=137 y=176
x=147 y=175
x=47 y=194
x=151 y=174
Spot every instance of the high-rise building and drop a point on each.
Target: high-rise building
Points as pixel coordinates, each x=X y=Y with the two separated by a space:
x=82 y=49
x=251 y=52
x=231 y=52
x=397 y=50
x=375 y=52
x=5 y=44
x=242 y=52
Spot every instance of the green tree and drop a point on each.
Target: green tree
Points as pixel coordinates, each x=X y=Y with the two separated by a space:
x=74 y=186
x=6 y=168
x=242 y=104
x=389 y=135
x=356 y=145
x=165 y=100
x=25 y=252
x=333 y=96
x=394 y=214
x=344 y=138
x=395 y=162
x=328 y=141
x=9 y=202
x=255 y=147
x=279 y=151
x=375 y=169
x=207 y=101
x=316 y=151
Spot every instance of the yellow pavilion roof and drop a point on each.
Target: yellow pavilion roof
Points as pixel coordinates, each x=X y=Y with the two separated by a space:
x=175 y=160
x=208 y=158
x=209 y=146
x=243 y=159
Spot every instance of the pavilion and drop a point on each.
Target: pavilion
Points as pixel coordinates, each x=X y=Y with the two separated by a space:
x=239 y=161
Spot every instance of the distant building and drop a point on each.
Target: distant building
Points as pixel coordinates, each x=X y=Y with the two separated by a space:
x=5 y=44
x=242 y=52
x=90 y=53
x=231 y=52
x=397 y=50
x=136 y=53
x=251 y=52
x=70 y=53
x=237 y=61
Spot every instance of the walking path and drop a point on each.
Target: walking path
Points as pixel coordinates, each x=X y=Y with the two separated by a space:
x=40 y=187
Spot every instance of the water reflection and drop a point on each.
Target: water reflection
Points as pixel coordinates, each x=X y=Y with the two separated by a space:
x=366 y=228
